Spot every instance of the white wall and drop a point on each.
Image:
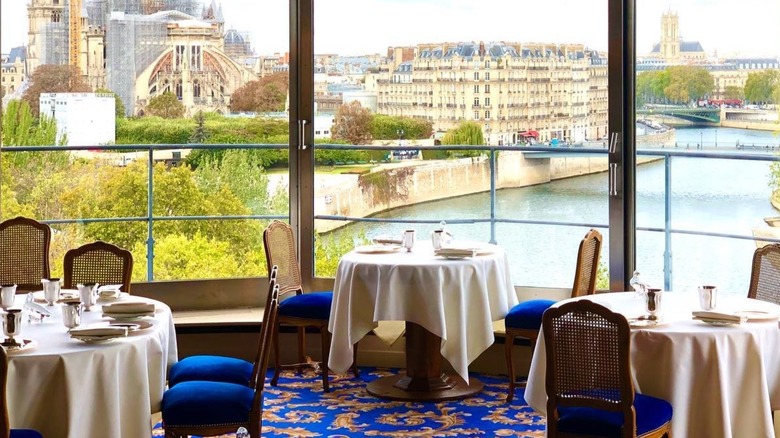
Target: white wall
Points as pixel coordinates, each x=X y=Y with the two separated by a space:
x=88 y=119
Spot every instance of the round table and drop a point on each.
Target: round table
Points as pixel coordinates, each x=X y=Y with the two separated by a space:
x=449 y=307
x=722 y=381
x=64 y=387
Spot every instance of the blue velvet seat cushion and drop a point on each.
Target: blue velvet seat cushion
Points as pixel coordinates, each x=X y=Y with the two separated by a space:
x=203 y=403
x=528 y=314
x=315 y=305
x=651 y=413
x=24 y=433
x=211 y=368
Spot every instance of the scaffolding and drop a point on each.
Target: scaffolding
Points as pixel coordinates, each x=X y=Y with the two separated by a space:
x=54 y=43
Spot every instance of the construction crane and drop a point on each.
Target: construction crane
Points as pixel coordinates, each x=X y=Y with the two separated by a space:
x=74 y=32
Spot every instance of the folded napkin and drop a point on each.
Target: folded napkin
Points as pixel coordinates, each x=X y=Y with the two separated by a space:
x=457 y=252
x=109 y=290
x=712 y=315
x=130 y=307
x=99 y=331
x=387 y=240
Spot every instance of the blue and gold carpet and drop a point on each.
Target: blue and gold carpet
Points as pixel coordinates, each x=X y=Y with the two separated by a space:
x=298 y=408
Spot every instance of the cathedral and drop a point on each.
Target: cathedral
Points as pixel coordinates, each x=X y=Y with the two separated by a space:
x=672 y=49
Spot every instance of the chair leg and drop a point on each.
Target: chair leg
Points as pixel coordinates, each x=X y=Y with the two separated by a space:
x=355 y=369
x=277 y=360
x=325 y=338
x=509 y=341
x=301 y=348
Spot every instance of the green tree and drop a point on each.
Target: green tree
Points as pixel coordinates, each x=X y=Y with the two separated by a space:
x=734 y=92
x=467 y=133
x=49 y=78
x=688 y=83
x=21 y=129
x=384 y=127
x=199 y=135
x=166 y=105
x=760 y=86
x=353 y=124
x=119 y=106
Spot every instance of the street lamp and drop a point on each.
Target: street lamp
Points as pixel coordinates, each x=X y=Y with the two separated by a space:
x=701 y=139
x=400 y=133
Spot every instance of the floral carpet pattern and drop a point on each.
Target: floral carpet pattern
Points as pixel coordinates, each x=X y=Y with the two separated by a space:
x=298 y=408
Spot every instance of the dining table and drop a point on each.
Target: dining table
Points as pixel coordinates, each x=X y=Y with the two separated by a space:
x=721 y=377
x=67 y=388
x=448 y=305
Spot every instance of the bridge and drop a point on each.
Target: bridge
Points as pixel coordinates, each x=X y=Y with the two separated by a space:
x=594 y=150
x=695 y=115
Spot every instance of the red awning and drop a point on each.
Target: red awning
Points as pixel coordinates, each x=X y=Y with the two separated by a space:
x=530 y=133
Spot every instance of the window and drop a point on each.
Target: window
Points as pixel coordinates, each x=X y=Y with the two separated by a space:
x=476 y=115
x=487 y=115
x=476 y=88
x=476 y=75
x=476 y=101
x=487 y=101
x=487 y=75
x=487 y=88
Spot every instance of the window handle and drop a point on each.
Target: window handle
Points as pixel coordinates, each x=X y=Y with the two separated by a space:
x=614 y=139
x=302 y=133
x=613 y=179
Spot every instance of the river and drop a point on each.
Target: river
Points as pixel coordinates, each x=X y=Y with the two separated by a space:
x=715 y=195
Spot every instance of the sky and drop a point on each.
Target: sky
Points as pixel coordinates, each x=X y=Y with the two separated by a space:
x=356 y=27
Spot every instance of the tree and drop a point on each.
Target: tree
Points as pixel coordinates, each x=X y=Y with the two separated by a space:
x=353 y=124
x=734 y=92
x=50 y=78
x=266 y=94
x=760 y=86
x=118 y=105
x=467 y=133
x=386 y=127
x=166 y=105
x=199 y=135
x=21 y=129
x=688 y=83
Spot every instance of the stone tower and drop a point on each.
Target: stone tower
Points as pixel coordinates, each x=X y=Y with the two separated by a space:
x=670 y=37
x=40 y=13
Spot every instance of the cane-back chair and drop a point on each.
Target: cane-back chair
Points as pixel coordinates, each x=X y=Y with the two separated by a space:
x=6 y=426
x=206 y=408
x=24 y=253
x=765 y=274
x=221 y=368
x=300 y=310
x=98 y=262
x=589 y=386
x=525 y=319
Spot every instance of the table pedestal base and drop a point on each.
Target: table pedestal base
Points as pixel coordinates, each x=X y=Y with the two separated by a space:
x=424 y=380
x=451 y=387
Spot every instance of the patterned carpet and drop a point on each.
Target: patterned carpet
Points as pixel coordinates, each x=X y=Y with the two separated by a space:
x=298 y=408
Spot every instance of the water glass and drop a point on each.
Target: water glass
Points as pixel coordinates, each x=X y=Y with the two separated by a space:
x=71 y=314
x=7 y=295
x=708 y=297
x=51 y=290
x=87 y=295
x=12 y=325
x=436 y=239
x=653 y=303
x=409 y=240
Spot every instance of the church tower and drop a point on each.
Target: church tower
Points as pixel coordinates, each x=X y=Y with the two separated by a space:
x=39 y=14
x=670 y=37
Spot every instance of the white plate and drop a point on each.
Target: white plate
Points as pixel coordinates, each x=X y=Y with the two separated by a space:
x=646 y=323
x=758 y=315
x=128 y=316
x=96 y=339
x=133 y=326
x=718 y=322
x=378 y=249
x=64 y=295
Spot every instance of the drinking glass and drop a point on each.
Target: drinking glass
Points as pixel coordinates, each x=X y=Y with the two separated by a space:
x=409 y=240
x=7 y=295
x=87 y=295
x=708 y=297
x=653 y=303
x=51 y=290
x=12 y=325
x=71 y=314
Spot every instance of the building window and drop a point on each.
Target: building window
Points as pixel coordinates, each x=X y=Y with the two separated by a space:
x=476 y=101
x=178 y=90
x=178 y=58
x=487 y=101
x=487 y=65
x=487 y=114
x=487 y=88
x=476 y=75
x=196 y=89
x=476 y=115
x=487 y=75
x=476 y=88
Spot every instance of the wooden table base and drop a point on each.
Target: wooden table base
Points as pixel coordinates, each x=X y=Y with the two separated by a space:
x=423 y=380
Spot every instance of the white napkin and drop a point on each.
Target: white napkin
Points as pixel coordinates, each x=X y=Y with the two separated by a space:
x=129 y=307
x=109 y=290
x=458 y=252
x=99 y=331
x=387 y=240
x=712 y=315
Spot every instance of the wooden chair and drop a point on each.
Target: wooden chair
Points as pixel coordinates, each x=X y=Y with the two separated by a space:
x=765 y=274
x=98 y=262
x=588 y=377
x=206 y=408
x=6 y=426
x=301 y=310
x=24 y=253
x=525 y=319
x=221 y=368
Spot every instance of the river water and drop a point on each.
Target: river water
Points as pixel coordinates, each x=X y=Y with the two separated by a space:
x=713 y=195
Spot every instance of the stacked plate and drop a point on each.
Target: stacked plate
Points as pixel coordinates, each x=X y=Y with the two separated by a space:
x=718 y=318
x=128 y=310
x=95 y=335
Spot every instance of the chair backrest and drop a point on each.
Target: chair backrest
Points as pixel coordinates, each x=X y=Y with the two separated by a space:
x=765 y=274
x=98 y=262
x=588 y=361
x=279 y=244
x=587 y=264
x=24 y=252
x=258 y=377
x=6 y=425
x=272 y=292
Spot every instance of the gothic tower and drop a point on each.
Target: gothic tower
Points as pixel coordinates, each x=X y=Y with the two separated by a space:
x=670 y=37
x=40 y=13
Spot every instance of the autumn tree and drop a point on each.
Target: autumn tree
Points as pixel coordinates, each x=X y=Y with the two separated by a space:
x=266 y=94
x=49 y=78
x=353 y=124
x=166 y=105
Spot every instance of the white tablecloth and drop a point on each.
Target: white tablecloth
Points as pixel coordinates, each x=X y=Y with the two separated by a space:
x=455 y=299
x=721 y=381
x=67 y=388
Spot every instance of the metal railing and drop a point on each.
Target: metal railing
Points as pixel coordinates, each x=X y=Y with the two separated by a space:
x=667 y=154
